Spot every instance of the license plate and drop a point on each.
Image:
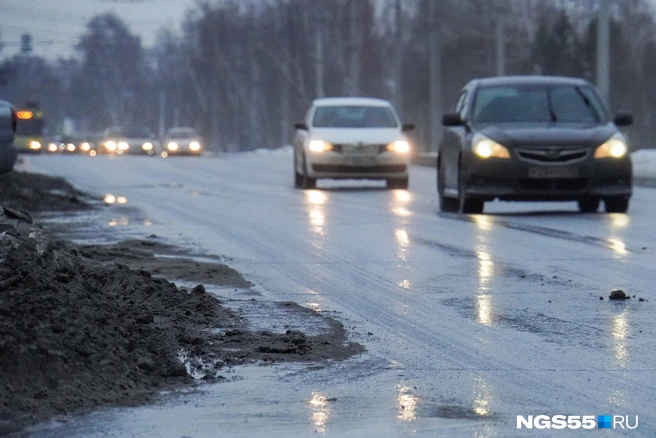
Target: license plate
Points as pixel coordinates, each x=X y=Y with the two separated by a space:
x=359 y=161
x=553 y=172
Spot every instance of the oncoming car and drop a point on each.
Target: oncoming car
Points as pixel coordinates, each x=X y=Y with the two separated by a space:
x=351 y=137
x=120 y=140
x=533 y=138
x=182 y=141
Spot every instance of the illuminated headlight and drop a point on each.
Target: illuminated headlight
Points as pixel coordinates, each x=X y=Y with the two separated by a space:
x=194 y=146
x=148 y=146
x=123 y=146
x=52 y=147
x=615 y=147
x=85 y=147
x=70 y=147
x=172 y=146
x=35 y=145
x=485 y=147
x=319 y=146
x=400 y=146
x=110 y=145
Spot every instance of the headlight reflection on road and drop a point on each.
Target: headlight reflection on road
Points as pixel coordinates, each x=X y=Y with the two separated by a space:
x=407 y=403
x=618 y=246
x=484 y=223
x=316 y=201
x=320 y=412
x=403 y=241
x=484 y=309
x=619 y=220
x=485 y=270
x=482 y=397
x=621 y=331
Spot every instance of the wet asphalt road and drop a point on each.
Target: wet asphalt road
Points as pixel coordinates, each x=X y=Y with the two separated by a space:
x=469 y=321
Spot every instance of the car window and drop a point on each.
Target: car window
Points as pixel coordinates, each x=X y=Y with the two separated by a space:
x=501 y=104
x=182 y=134
x=353 y=117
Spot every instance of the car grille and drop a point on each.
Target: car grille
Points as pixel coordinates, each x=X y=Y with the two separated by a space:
x=553 y=184
x=553 y=155
x=390 y=168
x=357 y=149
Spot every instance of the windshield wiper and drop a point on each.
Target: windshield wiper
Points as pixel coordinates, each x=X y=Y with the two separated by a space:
x=587 y=103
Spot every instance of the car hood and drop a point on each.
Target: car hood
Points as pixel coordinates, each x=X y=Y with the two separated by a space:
x=548 y=134
x=356 y=135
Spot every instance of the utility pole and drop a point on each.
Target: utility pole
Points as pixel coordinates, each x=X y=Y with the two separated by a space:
x=603 y=49
x=398 y=61
x=162 y=113
x=435 y=59
x=500 y=52
x=318 y=55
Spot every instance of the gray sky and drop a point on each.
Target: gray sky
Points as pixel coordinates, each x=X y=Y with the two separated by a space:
x=56 y=25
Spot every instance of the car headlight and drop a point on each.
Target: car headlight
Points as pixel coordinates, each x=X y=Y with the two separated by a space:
x=85 y=147
x=172 y=146
x=70 y=147
x=400 y=146
x=123 y=146
x=148 y=146
x=485 y=147
x=319 y=146
x=110 y=145
x=35 y=145
x=194 y=146
x=614 y=147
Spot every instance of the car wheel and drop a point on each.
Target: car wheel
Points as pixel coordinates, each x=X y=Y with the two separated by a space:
x=616 y=205
x=467 y=205
x=397 y=183
x=298 y=178
x=306 y=181
x=588 y=205
x=447 y=205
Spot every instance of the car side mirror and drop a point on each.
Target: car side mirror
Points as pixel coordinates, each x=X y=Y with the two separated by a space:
x=407 y=127
x=452 y=119
x=623 y=118
x=301 y=126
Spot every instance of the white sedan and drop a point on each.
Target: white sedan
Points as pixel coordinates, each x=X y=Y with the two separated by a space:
x=182 y=141
x=350 y=137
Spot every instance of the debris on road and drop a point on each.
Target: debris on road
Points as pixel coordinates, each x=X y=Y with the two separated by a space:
x=619 y=294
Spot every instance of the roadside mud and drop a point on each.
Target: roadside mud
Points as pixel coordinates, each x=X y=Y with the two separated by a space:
x=89 y=326
x=34 y=192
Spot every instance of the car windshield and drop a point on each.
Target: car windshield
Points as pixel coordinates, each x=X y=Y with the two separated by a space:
x=353 y=117
x=137 y=133
x=183 y=134
x=560 y=103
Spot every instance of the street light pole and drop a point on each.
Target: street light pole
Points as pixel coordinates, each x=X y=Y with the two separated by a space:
x=435 y=57
x=603 y=49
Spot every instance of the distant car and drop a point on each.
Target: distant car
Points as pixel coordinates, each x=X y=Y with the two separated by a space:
x=182 y=141
x=351 y=138
x=8 y=151
x=533 y=138
x=119 y=140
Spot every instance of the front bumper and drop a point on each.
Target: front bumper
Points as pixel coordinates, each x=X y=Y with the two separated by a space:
x=335 y=165
x=513 y=180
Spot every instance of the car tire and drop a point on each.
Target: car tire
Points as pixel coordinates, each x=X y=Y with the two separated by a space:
x=588 y=205
x=298 y=178
x=306 y=181
x=467 y=205
x=616 y=205
x=397 y=183
x=447 y=205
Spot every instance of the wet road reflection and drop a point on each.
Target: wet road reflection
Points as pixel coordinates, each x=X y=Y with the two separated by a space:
x=482 y=397
x=316 y=201
x=621 y=331
x=320 y=408
x=407 y=404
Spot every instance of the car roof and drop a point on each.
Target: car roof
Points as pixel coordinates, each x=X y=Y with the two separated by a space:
x=182 y=129
x=351 y=101
x=530 y=80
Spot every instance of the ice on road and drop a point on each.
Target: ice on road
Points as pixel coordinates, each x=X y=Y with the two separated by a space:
x=469 y=321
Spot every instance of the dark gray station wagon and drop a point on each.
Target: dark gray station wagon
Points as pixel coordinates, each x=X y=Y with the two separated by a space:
x=533 y=138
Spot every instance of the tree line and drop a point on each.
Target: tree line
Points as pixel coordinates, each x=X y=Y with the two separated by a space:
x=243 y=71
